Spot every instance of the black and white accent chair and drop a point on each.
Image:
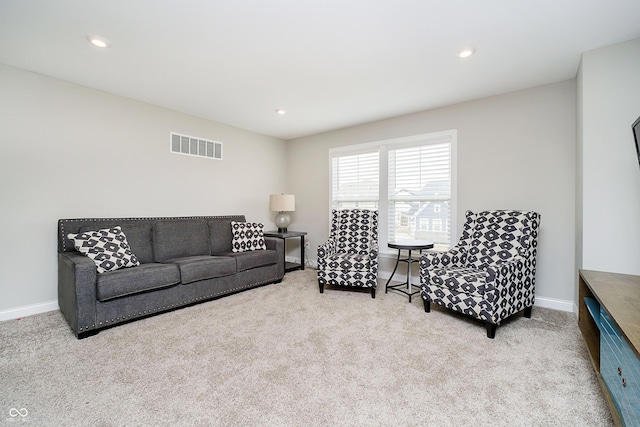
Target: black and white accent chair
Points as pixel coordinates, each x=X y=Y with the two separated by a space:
x=350 y=256
x=490 y=273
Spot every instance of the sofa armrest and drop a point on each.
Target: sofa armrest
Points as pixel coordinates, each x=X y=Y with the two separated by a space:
x=277 y=244
x=274 y=243
x=77 y=298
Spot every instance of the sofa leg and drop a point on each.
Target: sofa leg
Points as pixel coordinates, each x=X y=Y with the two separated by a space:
x=427 y=305
x=491 y=330
x=321 y=287
x=527 y=312
x=87 y=334
x=373 y=292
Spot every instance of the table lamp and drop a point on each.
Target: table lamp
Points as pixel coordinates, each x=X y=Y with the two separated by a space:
x=282 y=203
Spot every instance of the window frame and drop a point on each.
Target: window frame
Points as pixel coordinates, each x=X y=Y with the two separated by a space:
x=383 y=147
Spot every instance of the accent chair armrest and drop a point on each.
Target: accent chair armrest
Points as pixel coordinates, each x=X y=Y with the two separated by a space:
x=503 y=272
x=374 y=250
x=454 y=257
x=327 y=248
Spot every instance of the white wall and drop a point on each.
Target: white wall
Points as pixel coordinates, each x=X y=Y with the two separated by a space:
x=515 y=151
x=609 y=175
x=67 y=151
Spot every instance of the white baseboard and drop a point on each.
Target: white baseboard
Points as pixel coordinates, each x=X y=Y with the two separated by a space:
x=553 y=303
x=556 y=304
x=28 y=310
x=309 y=263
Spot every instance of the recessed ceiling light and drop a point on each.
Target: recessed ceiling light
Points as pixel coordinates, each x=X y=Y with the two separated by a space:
x=281 y=111
x=99 y=41
x=466 y=52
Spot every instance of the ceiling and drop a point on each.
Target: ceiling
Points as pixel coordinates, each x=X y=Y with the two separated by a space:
x=328 y=63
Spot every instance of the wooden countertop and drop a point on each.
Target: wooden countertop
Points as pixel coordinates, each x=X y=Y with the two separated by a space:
x=619 y=294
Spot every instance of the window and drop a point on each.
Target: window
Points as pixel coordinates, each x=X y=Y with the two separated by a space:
x=355 y=181
x=419 y=179
x=410 y=181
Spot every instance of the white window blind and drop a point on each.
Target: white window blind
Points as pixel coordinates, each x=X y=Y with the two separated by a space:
x=355 y=181
x=411 y=181
x=420 y=193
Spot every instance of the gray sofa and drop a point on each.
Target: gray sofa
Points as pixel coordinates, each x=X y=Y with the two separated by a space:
x=183 y=261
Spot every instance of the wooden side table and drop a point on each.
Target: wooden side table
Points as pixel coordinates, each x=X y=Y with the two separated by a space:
x=290 y=266
x=408 y=245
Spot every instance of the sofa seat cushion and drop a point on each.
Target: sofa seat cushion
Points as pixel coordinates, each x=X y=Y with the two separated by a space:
x=203 y=267
x=252 y=259
x=128 y=281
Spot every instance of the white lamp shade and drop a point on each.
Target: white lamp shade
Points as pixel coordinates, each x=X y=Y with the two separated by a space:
x=282 y=202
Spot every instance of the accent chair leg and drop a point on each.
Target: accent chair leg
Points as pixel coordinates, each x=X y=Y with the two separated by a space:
x=491 y=330
x=321 y=287
x=527 y=312
x=427 y=305
x=373 y=292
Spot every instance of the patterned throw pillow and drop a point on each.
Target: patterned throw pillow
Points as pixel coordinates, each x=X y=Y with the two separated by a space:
x=108 y=248
x=247 y=236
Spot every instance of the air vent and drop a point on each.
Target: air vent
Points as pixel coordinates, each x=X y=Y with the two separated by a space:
x=194 y=146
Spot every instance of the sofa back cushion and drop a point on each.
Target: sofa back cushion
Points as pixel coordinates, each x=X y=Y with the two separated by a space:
x=138 y=235
x=220 y=234
x=143 y=239
x=137 y=230
x=179 y=238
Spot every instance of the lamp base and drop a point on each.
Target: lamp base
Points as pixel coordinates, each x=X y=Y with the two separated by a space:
x=282 y=221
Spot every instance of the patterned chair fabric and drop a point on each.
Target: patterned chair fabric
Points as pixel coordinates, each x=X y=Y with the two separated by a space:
x=490 y=273
x=350 y=256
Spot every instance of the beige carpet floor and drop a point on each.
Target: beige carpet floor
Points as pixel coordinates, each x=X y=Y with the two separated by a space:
x=285 y=355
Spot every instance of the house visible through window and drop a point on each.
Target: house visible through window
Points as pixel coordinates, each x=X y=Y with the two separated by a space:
x=410 y=181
